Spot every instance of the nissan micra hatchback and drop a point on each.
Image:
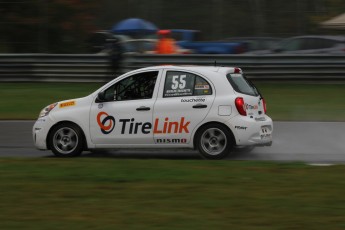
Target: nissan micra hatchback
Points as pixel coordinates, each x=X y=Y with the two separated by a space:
x=212 y=109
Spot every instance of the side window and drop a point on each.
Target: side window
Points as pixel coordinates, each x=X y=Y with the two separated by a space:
x=180 y=84
x=202 y=87
x=307 y=44
x=291 y=45
x=135 y=87
x=326 y=43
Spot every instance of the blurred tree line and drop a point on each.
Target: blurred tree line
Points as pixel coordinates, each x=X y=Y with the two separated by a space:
x=63 y=26
x=55 y=26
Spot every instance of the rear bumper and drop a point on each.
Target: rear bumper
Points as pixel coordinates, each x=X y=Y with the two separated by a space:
x=263 y=144
x=251 y=132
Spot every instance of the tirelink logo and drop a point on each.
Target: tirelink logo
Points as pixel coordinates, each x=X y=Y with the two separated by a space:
x=130 y=126
x=102 y=119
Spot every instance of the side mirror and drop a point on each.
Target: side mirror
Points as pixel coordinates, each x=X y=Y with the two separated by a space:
x=101 y=97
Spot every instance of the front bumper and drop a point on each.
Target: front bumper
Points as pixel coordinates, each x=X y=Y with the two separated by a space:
x=40 y=132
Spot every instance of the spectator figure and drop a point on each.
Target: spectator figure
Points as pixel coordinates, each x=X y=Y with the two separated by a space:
x=114 y=50
x=165 y=44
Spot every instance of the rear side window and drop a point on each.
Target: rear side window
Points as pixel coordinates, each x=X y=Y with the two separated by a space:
x=242 y=85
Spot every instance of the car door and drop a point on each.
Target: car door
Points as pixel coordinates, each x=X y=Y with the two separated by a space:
x=125 y=116
x=182 y=104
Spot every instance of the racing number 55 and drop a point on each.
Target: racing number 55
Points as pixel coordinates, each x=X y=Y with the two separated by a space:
x=179 y=82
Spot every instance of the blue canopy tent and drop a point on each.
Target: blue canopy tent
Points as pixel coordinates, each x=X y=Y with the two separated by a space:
x=134 y=26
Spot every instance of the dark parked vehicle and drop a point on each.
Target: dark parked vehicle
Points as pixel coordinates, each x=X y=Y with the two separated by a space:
x=313 y=44
x=256 y=44
x=187 y=39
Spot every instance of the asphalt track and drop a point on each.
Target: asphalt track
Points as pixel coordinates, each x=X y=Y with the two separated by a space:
x=310 y=142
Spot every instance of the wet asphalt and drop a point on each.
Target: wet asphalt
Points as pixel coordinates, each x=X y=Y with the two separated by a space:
x=310 y=142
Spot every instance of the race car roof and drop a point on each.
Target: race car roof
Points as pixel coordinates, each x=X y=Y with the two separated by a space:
x=196 y=68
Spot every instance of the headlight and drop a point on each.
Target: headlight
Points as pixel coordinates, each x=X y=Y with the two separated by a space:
x=47 y=109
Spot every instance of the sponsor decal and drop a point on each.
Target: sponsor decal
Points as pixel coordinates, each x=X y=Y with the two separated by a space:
x=265 y=136
x=178 y=92
x=202 y=87
x=241 y=127
x=130 y=126
x=254 y=107
x=260 y=119
x=105 y=122
x=100 y=106
x=193 y=100
x=177 y=86
x=66 y=104
x=171 y=140
x=171 y=126
x=265 y=132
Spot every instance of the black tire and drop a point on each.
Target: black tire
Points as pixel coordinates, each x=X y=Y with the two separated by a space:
x=66 y=140
x=214 y=142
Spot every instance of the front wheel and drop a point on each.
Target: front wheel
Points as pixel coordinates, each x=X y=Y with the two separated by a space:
x=66 y=140
x=214 y=142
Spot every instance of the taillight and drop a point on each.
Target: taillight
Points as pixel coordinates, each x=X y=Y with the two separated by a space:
x=264 y=104
x=239 y=102
x=237 y=70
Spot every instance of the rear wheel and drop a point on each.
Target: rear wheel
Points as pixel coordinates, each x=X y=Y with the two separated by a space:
x=214 y=141
x=66 y=140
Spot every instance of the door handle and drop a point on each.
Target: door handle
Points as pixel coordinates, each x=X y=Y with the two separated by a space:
x=143 y=108
x=199 y=106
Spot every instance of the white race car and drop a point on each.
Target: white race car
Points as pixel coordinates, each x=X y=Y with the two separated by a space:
x=212 y=109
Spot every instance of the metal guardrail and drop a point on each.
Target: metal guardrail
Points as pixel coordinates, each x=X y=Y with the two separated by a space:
x=263 y=67
x=97 y=68
x=55 y=68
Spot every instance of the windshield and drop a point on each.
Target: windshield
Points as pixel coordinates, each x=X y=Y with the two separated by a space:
x=242 y=85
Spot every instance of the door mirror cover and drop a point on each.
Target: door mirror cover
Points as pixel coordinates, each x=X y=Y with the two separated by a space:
x=101 y=97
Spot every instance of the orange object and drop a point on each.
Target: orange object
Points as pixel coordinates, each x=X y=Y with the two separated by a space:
x=164 y=32
x=165 y=46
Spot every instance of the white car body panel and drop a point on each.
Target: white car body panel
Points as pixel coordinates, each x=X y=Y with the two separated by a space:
x=169 y=122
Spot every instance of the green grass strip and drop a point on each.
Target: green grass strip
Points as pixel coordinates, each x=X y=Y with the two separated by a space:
x=285 y=101
x=26 y=100
x=169 y=194
x=304 y=101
